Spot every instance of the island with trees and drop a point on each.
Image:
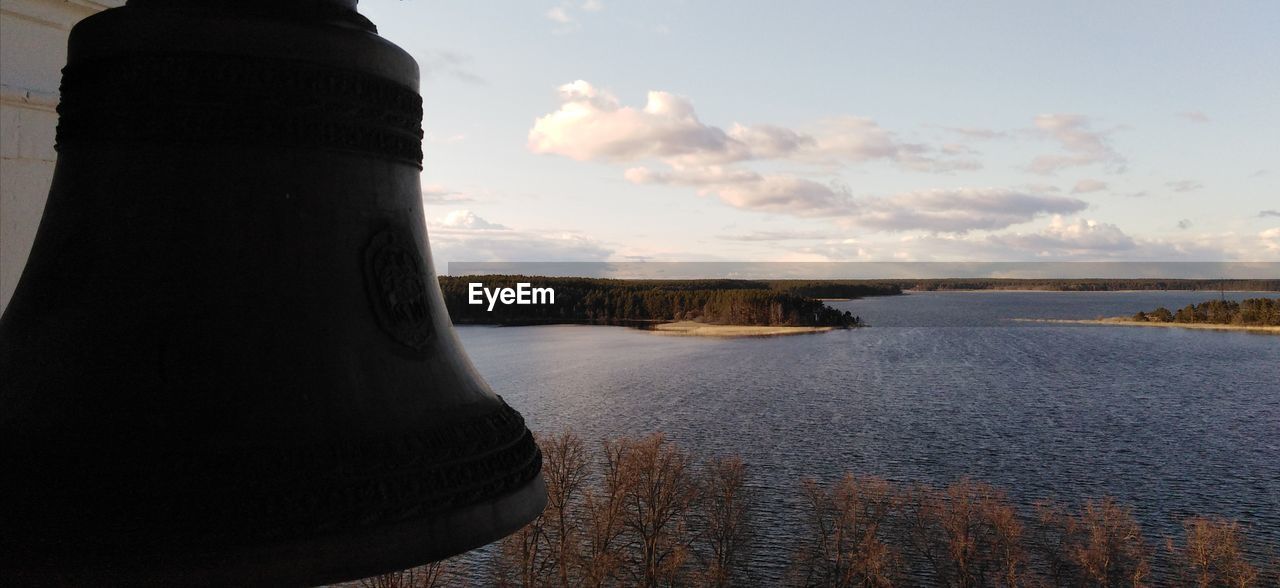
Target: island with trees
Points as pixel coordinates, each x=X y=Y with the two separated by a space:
x=687 y=307
x=1251 y=314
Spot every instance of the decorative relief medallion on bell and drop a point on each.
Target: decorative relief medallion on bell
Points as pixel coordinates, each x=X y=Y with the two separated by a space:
x=397 y=289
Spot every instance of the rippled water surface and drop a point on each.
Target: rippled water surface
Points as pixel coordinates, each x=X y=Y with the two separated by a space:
x=942 y=385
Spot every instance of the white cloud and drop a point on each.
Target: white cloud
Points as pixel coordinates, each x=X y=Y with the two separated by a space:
x=1041 y=188
x=1184 y=185
x=784 y=194
x=437 y=194
x=959 y=210
x=463 y=236
x=1074 y=134
x=1063 y=238
x=749 y=190
x=465 y=219
x=1194 y=116
x=449 y=64
x=977 y=133
x=559 y=14
x=592 y=124
x=445 y=139
x=766 y=236
x=1088 y=185
x=944 y=210
x=1270 y=240
x=565 y=14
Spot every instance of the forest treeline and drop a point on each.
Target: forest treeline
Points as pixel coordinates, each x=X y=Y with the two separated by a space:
x=645 y=512
x=604 y=301
x=1248 y=312
x=1083 y=285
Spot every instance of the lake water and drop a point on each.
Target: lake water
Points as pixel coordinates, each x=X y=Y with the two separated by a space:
x=1171 y=421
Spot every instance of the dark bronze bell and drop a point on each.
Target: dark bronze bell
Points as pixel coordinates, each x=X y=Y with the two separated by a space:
x=228 y=361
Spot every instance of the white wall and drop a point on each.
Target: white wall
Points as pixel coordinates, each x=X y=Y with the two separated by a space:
x=33 y=49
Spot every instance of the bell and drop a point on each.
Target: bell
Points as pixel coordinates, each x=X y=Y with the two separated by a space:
x=228 y=361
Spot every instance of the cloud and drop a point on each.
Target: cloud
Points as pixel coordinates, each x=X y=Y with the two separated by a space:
x=942 y=210
x=959 y=210
x=437 y=194
x=463 y=236
x=1184 y=185
x=445 y=139
x=749 y=190
x=559 y=14
x=563 y=14
x=515 y=246
x=449 y=64
x=1074 y=134
x=976 y=133
x=768 y=236
x=1194 y=116
x=1090 y=239
x=1270 y=239
x=592 y=124
x=465 y=219
x=1184 y=224
x=784 y=194
x=859 y=139
x=1268 y=212
x=1064 y=238
x=1088 y=185
x=1041 y=188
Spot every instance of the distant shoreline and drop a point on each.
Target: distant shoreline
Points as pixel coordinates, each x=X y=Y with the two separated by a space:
x=1124 y=322
x=696 y=329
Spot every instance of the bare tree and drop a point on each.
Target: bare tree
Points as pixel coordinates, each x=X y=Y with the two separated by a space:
x=726 y=513
x=602 y=559
x=845 y=545
x=1055 y=532
x=968 y=534
x=1101 y=546
x=1005 y=541
x=433 y=575
x=1212 y=554
x=1113 y=552
x=565 y=472
x=659 y=493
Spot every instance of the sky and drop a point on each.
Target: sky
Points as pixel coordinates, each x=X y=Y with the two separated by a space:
x=602 y=130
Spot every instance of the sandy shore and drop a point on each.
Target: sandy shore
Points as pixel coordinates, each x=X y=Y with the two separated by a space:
x=691 y=328
x=1124 y=322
